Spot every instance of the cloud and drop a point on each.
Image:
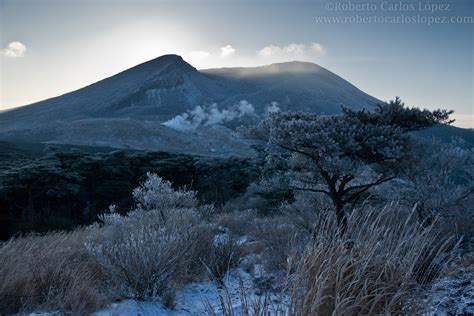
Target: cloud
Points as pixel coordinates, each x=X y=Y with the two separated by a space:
x=269 y=51
x=273 y=50
x=14 y=50
x=318 y=48
x=199 y=54
x=227 y=51
x=291 y=51
x=208 y=116
x=294 y=48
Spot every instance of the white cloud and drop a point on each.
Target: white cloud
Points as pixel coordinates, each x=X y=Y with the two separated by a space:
x=294 y=48
x=318 y=48
x=269 y=51
x=291 y=51
x=199 y=54
x=227 y=50
x=14 y=50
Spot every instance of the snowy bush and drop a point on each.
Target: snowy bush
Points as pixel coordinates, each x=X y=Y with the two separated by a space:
x=157 y=247
x=148 y=258
x=158 y=194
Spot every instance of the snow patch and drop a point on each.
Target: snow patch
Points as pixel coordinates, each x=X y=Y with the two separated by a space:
x=196 y=298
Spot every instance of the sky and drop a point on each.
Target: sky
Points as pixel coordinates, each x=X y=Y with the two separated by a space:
x=422 y=51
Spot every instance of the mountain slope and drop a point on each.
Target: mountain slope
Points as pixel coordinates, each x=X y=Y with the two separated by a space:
x=165 y=85
x=128 y=109
x=296 y=86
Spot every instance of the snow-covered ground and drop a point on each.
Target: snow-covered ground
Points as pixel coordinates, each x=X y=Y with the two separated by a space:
x=196 y=298
x=454 y=294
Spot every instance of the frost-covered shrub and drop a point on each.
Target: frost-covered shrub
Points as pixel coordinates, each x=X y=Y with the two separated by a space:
x=158 y=194
x=157 y=247
x=256 y=196
x=308 y=212
x=439 y=181
x=146 y=257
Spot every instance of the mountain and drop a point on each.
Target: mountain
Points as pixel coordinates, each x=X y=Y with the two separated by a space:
x=128 y=109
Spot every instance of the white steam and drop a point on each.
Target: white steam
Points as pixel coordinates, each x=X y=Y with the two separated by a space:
x=207 y=116
x=272 y=108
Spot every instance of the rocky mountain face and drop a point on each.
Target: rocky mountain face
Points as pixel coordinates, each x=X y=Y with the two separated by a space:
x=167 y=104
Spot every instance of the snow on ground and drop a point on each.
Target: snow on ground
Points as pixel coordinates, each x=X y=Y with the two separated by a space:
x=454 y=295
x=193 y=299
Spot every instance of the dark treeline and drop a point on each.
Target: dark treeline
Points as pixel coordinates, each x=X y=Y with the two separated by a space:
x=62 y=187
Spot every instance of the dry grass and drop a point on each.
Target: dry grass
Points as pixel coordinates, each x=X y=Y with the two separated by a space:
x=223 y=256
x=50 y=272
x=379 y=269
x=248 y=305
x=383 y=266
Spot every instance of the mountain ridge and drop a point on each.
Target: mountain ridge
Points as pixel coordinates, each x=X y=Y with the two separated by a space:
x=145 y=96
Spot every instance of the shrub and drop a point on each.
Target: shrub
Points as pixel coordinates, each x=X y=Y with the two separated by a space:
x=158 y=194
x=157 y=247
x=279 y=240
x=238 y=222
x=224 y=255
x=146 y=257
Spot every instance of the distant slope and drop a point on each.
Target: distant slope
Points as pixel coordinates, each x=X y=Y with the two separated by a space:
x=450 y=133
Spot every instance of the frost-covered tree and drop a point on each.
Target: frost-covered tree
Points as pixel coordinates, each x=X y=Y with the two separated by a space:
x=158 y=195
x=343 y=156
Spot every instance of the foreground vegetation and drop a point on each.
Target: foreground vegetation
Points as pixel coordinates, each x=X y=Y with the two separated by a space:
x=384 y=264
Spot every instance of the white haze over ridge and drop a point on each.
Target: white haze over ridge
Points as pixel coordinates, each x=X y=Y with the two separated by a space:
x=210 y=115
